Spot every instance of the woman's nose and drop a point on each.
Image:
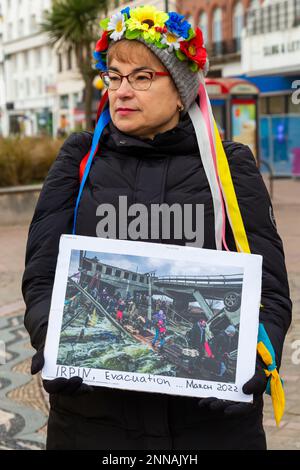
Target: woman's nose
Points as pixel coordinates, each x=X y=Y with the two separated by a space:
x=125 y=89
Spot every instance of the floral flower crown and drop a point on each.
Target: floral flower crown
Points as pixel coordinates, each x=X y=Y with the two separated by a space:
x=165 y=30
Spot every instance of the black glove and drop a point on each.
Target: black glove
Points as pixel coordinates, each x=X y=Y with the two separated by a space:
x=72 y=386
x=256 y=386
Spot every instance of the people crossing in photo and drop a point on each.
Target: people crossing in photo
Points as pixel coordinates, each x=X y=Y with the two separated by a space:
x=197 y=336
x=222 y=345
x=160 y=332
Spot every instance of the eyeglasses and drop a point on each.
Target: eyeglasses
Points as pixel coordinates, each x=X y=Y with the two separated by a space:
x=139 y=80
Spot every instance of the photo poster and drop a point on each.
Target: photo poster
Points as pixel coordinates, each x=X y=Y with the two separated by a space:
x=154 y=317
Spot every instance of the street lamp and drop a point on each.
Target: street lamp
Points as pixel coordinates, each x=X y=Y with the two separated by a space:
x=167 y=6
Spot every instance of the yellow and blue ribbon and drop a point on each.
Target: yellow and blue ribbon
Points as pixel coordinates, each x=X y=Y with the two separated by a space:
x=275 y=383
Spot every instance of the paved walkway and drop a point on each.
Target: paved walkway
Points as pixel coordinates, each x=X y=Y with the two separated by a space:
x=24 y=405
x=286 y=202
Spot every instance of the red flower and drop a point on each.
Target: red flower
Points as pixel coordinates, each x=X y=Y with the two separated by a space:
x=102 y=44
x=161 y=30
x=194 y=49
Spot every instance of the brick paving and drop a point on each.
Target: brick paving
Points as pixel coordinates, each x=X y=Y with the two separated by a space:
x=24 y=404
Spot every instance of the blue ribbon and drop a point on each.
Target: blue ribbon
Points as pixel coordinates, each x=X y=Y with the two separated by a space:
x=101 y=124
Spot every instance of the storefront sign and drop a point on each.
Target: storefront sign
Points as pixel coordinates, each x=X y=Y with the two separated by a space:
x=273 y=52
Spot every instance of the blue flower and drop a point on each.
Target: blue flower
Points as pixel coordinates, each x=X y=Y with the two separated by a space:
x=100 y=63
x=178 y=25
x=126 y=11
x=97 y=55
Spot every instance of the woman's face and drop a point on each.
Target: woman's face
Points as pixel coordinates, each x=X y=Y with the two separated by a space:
x=153 y=111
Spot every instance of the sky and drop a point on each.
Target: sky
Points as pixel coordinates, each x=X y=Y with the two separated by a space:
x=162 y=267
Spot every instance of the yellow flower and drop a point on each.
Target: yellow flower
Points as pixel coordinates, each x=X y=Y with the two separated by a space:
x=146 y=19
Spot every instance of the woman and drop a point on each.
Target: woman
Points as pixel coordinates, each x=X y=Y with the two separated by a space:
x=155 y=142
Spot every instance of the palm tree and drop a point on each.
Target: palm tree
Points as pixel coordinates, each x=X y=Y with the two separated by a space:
x=75 y=23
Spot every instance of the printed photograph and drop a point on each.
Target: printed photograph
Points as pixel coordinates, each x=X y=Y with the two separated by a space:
x=151 y=315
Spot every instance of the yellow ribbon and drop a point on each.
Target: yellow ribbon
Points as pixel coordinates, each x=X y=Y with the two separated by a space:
x=277 y=392
x=232 y=206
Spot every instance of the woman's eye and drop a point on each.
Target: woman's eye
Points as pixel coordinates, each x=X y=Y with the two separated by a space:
x=142 y=77
x=114 y=79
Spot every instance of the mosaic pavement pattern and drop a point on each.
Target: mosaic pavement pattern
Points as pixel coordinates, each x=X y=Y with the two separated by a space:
x=23 y=404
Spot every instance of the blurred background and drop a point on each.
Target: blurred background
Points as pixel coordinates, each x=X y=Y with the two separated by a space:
x=49 y=89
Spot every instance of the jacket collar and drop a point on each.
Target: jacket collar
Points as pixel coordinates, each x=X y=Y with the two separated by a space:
x=178 y=141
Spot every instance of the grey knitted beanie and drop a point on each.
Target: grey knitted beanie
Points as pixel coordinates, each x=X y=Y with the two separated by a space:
x=186 y=81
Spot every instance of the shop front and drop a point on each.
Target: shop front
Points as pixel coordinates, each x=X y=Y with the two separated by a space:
x=279 y=123
x=271 y=61
x=44 y=121
x=235 y=107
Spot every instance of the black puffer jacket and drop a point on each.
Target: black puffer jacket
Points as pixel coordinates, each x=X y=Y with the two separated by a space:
x=167 y=169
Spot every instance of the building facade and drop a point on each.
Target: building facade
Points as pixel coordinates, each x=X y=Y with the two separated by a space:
x=41 y=89
x=2 y=82
x=271 y=60
x=258 y=40
x=222 y=23
x=69 y=99
x=29 y=69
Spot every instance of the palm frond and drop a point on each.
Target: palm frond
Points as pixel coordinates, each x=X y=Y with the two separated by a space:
x=74 y=21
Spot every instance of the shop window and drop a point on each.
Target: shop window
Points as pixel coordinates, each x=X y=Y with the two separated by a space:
x=40 y=85
x=254 y=4
x=76 y=100
x=69 y=58
x=277 y=105
x=64 y=101
x=21 y=27
x=33 y=24
x=203 y=25
x=60 y=63
x=25 y=60
x=217 y=29
x=263 y=103
x=238 y=24
x=296 y=13
x=293 y=107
